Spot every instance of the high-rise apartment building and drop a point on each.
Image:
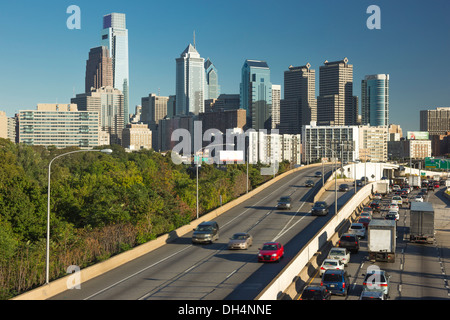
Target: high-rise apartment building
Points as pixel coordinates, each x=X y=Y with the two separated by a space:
x=99 y=69
x=115 y=38
x=7 y=127
x=436 y=122
x=373 y=143
x=137 y=136
x=154 y=108
x=276 y=99
x=336 y=104
x=109 y=103
x=212 y=88
x=190 y=82
x=375 y=100
x=61 y=125
x=256 y=94
x=299 y=106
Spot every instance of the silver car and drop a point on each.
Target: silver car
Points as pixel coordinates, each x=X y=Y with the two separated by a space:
x=377 y=280
x=339 y=253
x=241 y=240
x=358 y=229
x=331 y=264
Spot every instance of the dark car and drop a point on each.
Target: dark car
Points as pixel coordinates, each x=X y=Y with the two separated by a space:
x=309 y=183
x=390 y=216
x=316 y=293
x=320 y=208
x=430 y=187
x=424 y=190
x=284 y=203
x=376 y=205
x=344 y=187
x=359 y=183
x=206 y=232
x=336 y=281
x=365 y=221
x=318 y=174
x=350 y=242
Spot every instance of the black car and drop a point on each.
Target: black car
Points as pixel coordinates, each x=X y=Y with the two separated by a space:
x=350 y=242
x=309 y=183
x=376 y=205
x=284 y=203
x=316 y=293
x=318 y=174
x=344 y=187
x=359 y=183
x=424 y=190
x=320 y=208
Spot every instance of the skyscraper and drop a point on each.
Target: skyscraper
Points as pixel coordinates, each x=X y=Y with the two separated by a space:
x=436 y=122
x=212 y=89
x=256 y=94
x=276 y=98
x=99 y=71
x=375 y=100
x=299 y=106
x=190 y=82
x=115 y=38
x=336 y=104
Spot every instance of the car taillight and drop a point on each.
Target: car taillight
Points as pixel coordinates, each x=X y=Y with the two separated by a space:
x=321 y=283
x=343 y=285
x=322 y=268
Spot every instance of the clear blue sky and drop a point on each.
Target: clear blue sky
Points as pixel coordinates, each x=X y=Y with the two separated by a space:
x=42 y=61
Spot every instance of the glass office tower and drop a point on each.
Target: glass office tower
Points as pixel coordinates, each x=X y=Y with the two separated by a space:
x=212 y=90
x=375 y=100
x=256 y=94
x=115 y=38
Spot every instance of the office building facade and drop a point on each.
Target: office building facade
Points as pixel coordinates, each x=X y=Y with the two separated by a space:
x=436 y=122
x=276 y=100
x=115 y=38
x=109 y=103
x=373 y=143
x=62 y=126
x=137 y=136
x=256 y=94
x=336 y=104
x=375 y=100
x=299 y=106
x=99 y=69
x=212 y=87
x=190 y=82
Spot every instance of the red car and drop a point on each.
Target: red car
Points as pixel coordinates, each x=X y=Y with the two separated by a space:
x=271 y=251
x=364 y=221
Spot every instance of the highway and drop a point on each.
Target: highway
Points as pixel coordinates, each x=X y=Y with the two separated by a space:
x=180 y=270
x=420 y=270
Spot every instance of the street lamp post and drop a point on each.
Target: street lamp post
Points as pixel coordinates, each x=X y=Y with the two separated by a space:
x=210 y=146
x=47 y=263
x=335 y=176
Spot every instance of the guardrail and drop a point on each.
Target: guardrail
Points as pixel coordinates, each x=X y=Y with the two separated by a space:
x=289 y=274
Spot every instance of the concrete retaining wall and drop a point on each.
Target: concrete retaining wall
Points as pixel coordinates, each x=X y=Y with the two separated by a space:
x=61 y=285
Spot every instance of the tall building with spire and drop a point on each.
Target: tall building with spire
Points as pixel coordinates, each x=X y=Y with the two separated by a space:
x=190 y=82
x=115 y=38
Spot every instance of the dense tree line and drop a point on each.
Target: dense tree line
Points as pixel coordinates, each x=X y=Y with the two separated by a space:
x=101 y=205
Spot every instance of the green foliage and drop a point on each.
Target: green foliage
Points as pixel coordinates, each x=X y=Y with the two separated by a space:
x=101 y=205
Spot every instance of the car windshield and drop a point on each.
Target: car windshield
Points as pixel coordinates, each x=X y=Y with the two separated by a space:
x=284 y=199
x=269 y=247
x=320 y=205
x=337 y=252
x=375 y=278
x=348 y=238
x=204 y=228
x=331 y=277
x=356 y=227
x=239 y=237
x=330 y=263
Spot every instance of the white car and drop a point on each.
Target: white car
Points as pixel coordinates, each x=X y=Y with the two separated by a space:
x=358 y=229
x=393 y=207
x=397 y=215
x=418 y=199
x=341 y=254
x=397 y=199
x=331 y=264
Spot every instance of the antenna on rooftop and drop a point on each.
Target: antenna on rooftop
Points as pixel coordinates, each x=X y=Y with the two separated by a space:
x=194 y=41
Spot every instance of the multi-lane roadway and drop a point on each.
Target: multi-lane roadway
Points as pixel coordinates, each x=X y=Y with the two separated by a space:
x=419 y=271
x=183 y=271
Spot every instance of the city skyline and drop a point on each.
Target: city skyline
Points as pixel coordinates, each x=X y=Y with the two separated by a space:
x=55 y=70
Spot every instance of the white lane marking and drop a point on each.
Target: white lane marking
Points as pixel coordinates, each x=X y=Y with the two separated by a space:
x=136 y=273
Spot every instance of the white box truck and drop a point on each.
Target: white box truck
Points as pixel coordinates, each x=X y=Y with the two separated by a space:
x=414 y=181
x=381 y=240
x=421 y=222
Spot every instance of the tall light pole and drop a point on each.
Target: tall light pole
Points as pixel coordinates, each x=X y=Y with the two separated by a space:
x=196 y=154
x=47 y=263
x=335 y=176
